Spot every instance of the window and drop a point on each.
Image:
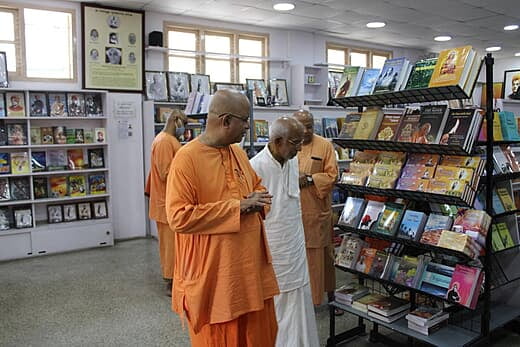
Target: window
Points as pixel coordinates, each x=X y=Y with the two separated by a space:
x=46 y=49
x=225 y=56
x=340 y=55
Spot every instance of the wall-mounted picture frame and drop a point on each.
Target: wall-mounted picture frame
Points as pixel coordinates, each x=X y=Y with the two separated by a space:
x=179 y=86
x=200 y=83
x=70 y=212
x=4 y=79
x=54 y=213
x=84 y=211
x=278 y=89
x=258 y=87
x=156 y=86
x=511 y=88
x=232 y=86
x=113 y=56
x=100 y=209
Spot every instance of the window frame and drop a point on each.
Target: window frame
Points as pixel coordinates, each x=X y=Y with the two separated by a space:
x=20 y=66
x=353 y=49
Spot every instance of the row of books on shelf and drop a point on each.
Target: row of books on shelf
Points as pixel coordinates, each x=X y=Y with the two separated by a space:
x=79 y=211
x=466 y=233
x=454 y=67
x=505 y=127
x=15 y=134
x=19 y=163
x=448 y=174
x=52 y=104
x=460 y=284
x=19 y=188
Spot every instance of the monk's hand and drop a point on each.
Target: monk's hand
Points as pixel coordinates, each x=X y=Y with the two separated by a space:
x=303 y=180
x=255 y=202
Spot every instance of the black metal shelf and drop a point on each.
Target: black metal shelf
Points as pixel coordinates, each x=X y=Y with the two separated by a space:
x=395 y=146
x=406 y=242
x=407 y=195
x=505 y=176
x=497 y=143
x=507 y=213
x=409 y=96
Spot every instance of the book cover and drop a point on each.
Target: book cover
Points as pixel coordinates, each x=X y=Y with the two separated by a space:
x=431 y=237
x=384 y=182
x=59 y=135
x=58 y=186
x=89 y=135
x=352 y=211
x=371 y=215
x=76 y=104
x=390 y=219
x=391 y=158
x=421 y=74
x=57 y=159
x=473 y=222
x=38 y=104
x=436 y=279
x=97 y=184
x=452 y=66
x=404 y=271
x=40 y=188
x=431 y=123
x=93 y=105
x=349 y=250
x=424 y=315
x=19 y=163
x=5 y=163
x=412 y=225
x=23 y=218
x=504 y=196
x=5 y=192
x=409 y=124
x=20 y=188
x=458 y=127
x=350 y=125
x=5 y=217
x=318 y=127
x=509 y=126
x=38 y=161
x=454 y=173
x=472 y=162
x=3 y=134
x=464 y=285
x=261 y=130
x=57 y=105
x=390 y=74
x=361 y=304
x=15 y=104
x=430 y=160
x=501 y=164
x=347 y=81
x=330 y=127
x=75 y=159
x=386 y=170
x=70 y=134
x=96 y=158
x=415 y=184
x=16 y=134
x=99 y=135
x=428 y=330
x=36 y=136
x=454 y=240
x=417 y=171
x=77 y=185
x=388 y=319
x=504 y=234
x=367 y=124
x=388 y=129
x=388 y=306
x=47 y=136
x=351 y=291
x=378 y=264
x=368 y=82
x=79 y=136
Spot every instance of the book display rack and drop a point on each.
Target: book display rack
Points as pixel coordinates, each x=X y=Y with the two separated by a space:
x=466 y=326
x=54 y=172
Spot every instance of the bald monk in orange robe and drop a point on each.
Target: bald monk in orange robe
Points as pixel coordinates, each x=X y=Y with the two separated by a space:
x=318 y=174
x=224 y=282
x=164 y=147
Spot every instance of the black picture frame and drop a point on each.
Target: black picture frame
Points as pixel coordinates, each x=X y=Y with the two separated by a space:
x=84 y=211
x=200 y=83
x=233 y=86
x=278 y=89
x=156 y=86
x=54 y=214
x=258 y=88
x=178 y=86
x=70 y=212
x=511 y=86
x=4 y=75
x=99 y=209
x=23 y=218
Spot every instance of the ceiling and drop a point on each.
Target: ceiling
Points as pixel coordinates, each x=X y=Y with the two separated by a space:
x=410 y=23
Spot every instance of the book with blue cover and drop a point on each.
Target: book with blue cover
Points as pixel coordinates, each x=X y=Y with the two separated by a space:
x=412 y=225
x=5 y=163
x=38 y=161
x=509 y=126
x=391 y=75
x=436 y=279
x=368 y=82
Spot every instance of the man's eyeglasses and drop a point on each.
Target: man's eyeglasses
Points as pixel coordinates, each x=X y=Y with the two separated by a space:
x=243 y=119
x=296 y=143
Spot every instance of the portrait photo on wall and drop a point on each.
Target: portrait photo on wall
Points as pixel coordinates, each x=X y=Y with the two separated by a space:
x=232 y=86
x=4 y=81
x=278 y=90
x=200 y=83
x=511 y=88
x=179 y=86
x=156 y=88
x=258 y=87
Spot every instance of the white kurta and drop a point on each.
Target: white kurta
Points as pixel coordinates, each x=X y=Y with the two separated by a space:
x=284 y=229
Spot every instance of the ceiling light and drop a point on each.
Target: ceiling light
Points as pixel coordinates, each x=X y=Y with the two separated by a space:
x=517 y=54
x=376 y=25
x=493 y=49
x=511 y=27
x=442 y=38
x=282 y=5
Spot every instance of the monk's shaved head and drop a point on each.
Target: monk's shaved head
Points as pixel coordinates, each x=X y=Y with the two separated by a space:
x=305 y=118
x=285 y=127
x=225 y=101
x=285 y=138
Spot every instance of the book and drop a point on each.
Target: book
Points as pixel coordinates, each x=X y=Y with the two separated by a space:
x=391 y=76
x=421 y=73
x=36 y=136
x=318 y=127
x=390 y=219
x=261 y=130
x=16 y=134
x=3 y=133
x=59 y=135
x=40 y=187
x=388 y=306
x=38 y=161
x=57 y=105
x=368 y=124
x=99 y=135
x=412 y=183
x=431 y=124
x=350 y=125
x=427 y=330
x=348 y=80
x=96 y=184
x=362 y=303
x=438 y=222
x=57 y=159
x=500 y=161
x=5 y=217
x=388 y=129
x=460 y=128
x=5 y=192
x=505 y=198
x=371 y=215
x=427 y=316
x=38 y=104
x=79 y=136
x=409 y=124
x=412 y=225
x=368 y=81
x=96 y=158
x=404 y=271
x=350 y=292
x=475 y=223
x=509 y=126
x=47 y=136
x=58 y=186
x=75 y=159
x=349 y=251
x=418 y=171
x=20 y=188
x=23 y=218
x=15 y=104
x=93 y=105
x=330 y=127
x=453 y=66
x=384 y=182
x=76 y=104
x=5 y=163
x=77 y=185
x=388 y=319
x=504 y=235
x=365 y=259
x=378 y=264
x=20 y=163
x=465 y=284
x=352 y=212
x=88 y=135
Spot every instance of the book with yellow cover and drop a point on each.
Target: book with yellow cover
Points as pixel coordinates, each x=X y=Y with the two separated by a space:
x=452 y=67
x=384 y=182
x=456 y=173
x=19 y=163
x=387 y=170
x=77 y=185
x=461 y=161
x=504 y=196
x=368 y=125
x=447 y=186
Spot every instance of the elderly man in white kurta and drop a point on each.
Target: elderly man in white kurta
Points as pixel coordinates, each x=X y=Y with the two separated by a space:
x=277 y=165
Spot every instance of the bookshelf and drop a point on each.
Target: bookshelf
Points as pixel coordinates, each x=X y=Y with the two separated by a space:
x=44 y=235
x=488 y=315
x=309 y=85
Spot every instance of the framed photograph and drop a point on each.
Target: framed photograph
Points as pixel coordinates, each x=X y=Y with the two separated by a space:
x=93 y=105
x=5 y=218
x=179 y=86
x=54 y=213
x=200 y=83
x=84 y=211
x=156 y=86
x=23 y=218
x=258 y=87
x=70 y=212
x=2 y=105
x=511 y=89
x=113 y=49
x=15 y=104
x=278 y=89
x=100 y=209
x=232 y=86
x=38 y=104
x=4 y=81
x=76 y=104
x=58 y=105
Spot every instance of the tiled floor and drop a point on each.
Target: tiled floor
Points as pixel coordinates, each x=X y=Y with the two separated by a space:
x=108 y=297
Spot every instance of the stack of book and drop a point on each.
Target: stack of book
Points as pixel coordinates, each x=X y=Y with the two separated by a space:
x=505 y=127
x=362 y=303
x=388 y=309
x=348 y=293
x=426 y=320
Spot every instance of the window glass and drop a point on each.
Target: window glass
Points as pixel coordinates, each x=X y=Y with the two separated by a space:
x=250 y=70
x=336 y=56
x=218 y=44
x=218 y=70
x=182 y=40
x=378 y=61
x=6 y=26
x=358 y=59
x=183 y=64
x=250 y=47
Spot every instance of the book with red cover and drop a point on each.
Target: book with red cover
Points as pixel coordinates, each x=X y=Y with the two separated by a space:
x=365 y=260
x=465 y=285
x=75 y=159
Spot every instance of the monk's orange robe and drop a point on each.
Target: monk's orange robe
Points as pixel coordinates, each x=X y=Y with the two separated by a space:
x=164 y=147
x=318 y=159
x=223 y=264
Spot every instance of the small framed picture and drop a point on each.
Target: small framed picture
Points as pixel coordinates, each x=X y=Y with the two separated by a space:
x=5 y=218
x=278 y=89
x=4 y=81
x=84 y=211
x=54 y=213
x=58 y=105
x=232 y=86
x=200 y=83
x=258 y=87
x=38 y=105
x=23 y=218
x=511 y=89
x=76 y=104
x=156 y=86
x=2 y=105
x=15 y=104
x=100 y=209
x=179 y=86
x=260 y=101
x=69 y=212
x=93 y=105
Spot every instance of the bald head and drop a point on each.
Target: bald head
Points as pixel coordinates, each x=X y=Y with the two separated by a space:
x=285 y=138
x=307 y=120
x=228 y=101
x=176 y=120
